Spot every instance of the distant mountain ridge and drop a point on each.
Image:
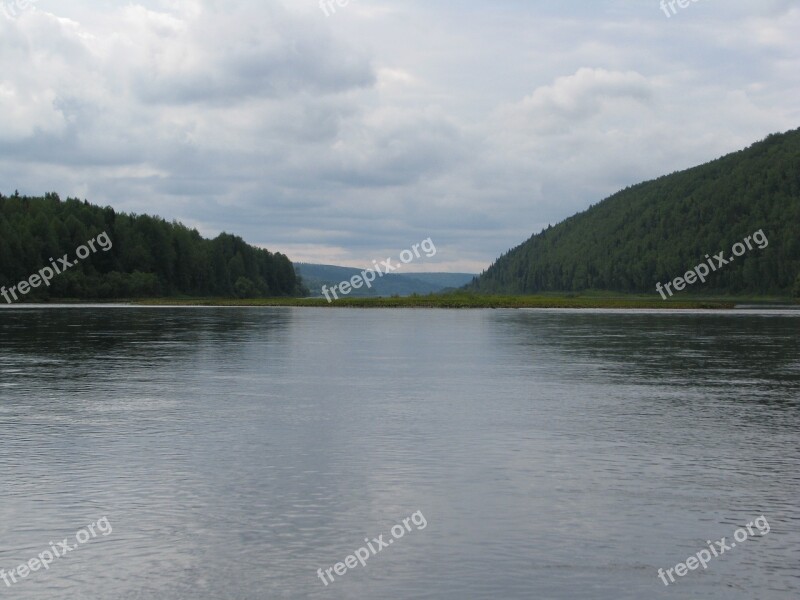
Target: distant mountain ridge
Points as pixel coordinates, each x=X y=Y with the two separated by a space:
x=658 y=230
x=314 y=276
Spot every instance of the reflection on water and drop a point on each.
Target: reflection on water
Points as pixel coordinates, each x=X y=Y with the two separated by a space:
x=555 y=454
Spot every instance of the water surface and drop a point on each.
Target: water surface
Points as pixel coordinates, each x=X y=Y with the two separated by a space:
x=554 y=454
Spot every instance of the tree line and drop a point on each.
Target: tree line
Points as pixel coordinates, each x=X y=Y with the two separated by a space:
x=149 y=257
x=658 y=230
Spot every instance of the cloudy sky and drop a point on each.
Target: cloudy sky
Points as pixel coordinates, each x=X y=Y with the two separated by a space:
x=348 y=137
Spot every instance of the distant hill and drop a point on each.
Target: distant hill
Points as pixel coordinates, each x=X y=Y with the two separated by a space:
x=142 y=255
x=658 y=230
x=400 y=284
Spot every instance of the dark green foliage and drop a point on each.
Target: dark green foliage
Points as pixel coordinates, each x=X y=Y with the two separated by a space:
x=658 y=230
x=149 y=257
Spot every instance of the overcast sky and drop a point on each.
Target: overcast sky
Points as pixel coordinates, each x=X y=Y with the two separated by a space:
x=347 y=138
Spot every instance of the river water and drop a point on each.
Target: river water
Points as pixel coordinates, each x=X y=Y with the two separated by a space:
x=550 y=454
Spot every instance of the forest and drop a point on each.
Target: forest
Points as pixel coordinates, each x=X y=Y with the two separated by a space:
x=658 y=230
x=149 y=257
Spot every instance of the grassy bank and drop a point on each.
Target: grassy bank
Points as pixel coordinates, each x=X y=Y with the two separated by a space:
x=461 y=300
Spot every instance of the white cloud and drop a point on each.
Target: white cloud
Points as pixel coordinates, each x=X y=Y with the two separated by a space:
x=574 y=99
x=356 y=135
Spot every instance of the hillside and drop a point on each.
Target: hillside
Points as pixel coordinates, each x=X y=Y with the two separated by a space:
x=133 y=256
x=658 y=230
x=394 y=284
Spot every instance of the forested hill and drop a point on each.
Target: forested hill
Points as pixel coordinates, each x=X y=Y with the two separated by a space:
x=658 y=230
x=147 y=255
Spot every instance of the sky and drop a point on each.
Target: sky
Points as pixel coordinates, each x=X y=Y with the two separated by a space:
x=346 y=134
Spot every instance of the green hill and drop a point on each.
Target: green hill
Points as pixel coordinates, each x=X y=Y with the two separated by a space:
x=659 y=230
x=394 y=284
x=134 y=256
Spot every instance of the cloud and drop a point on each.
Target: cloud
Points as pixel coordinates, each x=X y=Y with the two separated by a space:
x=230 y=56
x=574 y=99
x=352 y=137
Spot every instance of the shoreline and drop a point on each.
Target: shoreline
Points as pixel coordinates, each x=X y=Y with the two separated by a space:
x=451 y=301
x=543 y=304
